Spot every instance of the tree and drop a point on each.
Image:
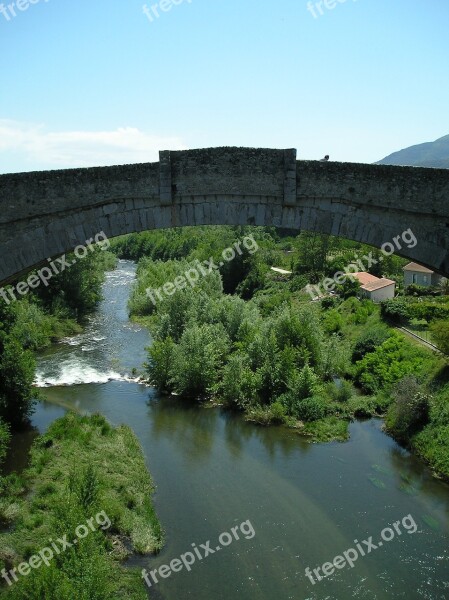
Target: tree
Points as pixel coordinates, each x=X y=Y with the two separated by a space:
x=306 y=384
x=17 y=369
x=239 y=385
x=314 y=249
x=5 y=437
x=439 y=331
x=410 y=411
x=368 y=341
x=443 y=286
x=197 y=358
x=159 y=365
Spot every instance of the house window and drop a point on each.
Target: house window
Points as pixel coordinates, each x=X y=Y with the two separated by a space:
x=425 y=278
x=415 y=278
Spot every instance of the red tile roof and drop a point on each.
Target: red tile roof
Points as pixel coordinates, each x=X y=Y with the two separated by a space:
x=365 y=278
x=377 y=285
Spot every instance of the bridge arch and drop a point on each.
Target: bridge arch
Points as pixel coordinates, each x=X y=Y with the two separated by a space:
x=47 y=214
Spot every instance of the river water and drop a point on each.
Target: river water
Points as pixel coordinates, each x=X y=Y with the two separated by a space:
x=306 y=502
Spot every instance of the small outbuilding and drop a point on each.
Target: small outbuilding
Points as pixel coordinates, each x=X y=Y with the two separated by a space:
x=374 y=288
x=419 y=275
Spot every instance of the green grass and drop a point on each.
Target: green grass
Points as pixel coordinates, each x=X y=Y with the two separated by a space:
x=80 y=468
x=329 y=429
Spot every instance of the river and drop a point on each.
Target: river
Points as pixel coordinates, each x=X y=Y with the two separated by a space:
x=306 y=502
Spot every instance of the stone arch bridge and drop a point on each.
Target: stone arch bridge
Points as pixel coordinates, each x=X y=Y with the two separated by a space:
x=46 y=214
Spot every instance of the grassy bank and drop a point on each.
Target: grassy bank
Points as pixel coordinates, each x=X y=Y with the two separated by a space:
x=82 y=469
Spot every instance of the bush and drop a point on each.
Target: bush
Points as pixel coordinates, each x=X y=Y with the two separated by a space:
x=429 y=310
x=267 y=415
x=239 y=385
x=159 y=365
x=17 y=368
x=439 y=330
x=390 y=362
x=332 y=321
x=342 y=391
x=410 y=411
x=369 y=341
x=197 y=358
x=396 y=310
x=311 y=409
x=306 y=384
x=5 y=438
x=420 y=290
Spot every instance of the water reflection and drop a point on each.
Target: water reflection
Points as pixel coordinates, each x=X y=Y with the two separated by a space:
x=307 y=502
x=192 y=430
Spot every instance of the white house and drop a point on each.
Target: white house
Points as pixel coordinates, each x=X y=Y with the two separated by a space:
x=375 y=288
x=419 y=275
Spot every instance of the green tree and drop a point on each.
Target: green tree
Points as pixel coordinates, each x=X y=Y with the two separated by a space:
x=17 y=371
x=410 y=411
x=306 y=384
x=239 y=385
x=5 y=438
x=197 y=359
x=159 y=365
x=439 y=331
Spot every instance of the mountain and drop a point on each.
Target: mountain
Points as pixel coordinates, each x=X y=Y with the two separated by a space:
x=430 y=154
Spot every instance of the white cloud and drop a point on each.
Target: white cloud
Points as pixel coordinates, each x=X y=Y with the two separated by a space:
x=34 y=144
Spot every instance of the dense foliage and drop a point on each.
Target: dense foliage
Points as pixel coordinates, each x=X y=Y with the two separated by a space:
x=82 y=469
x=261 y=346
x=4 y=440
x=33 y=322
x=16 y=371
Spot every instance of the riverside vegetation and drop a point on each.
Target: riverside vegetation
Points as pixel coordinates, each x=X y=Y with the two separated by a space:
x=80 y=467
x=244 y=337
x=251 y=339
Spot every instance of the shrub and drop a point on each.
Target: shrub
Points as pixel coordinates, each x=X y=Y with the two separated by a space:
x=311 y=409
x=17 y=368
x=160 y=361
x=369 y=341
x=420 y=290
x=439 y=330
x=396 y=310
x=5 y=438
x=390 y=362
x=239 y=385
x=306 y=384
x=197 y=358
x=342 y=391
x=267 y=415
x=332 y=321
x=410 y=411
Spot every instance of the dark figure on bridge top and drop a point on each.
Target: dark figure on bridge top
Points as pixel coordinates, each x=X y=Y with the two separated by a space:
x=325 y=159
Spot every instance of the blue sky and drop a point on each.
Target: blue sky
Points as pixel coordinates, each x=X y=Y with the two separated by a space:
x=95 y=82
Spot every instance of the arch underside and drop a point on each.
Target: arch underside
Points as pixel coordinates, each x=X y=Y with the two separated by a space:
x=33 y=242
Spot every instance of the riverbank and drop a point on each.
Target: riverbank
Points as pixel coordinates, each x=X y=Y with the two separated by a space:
x=84 y=477
x=235 y=335
x=214 y=470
